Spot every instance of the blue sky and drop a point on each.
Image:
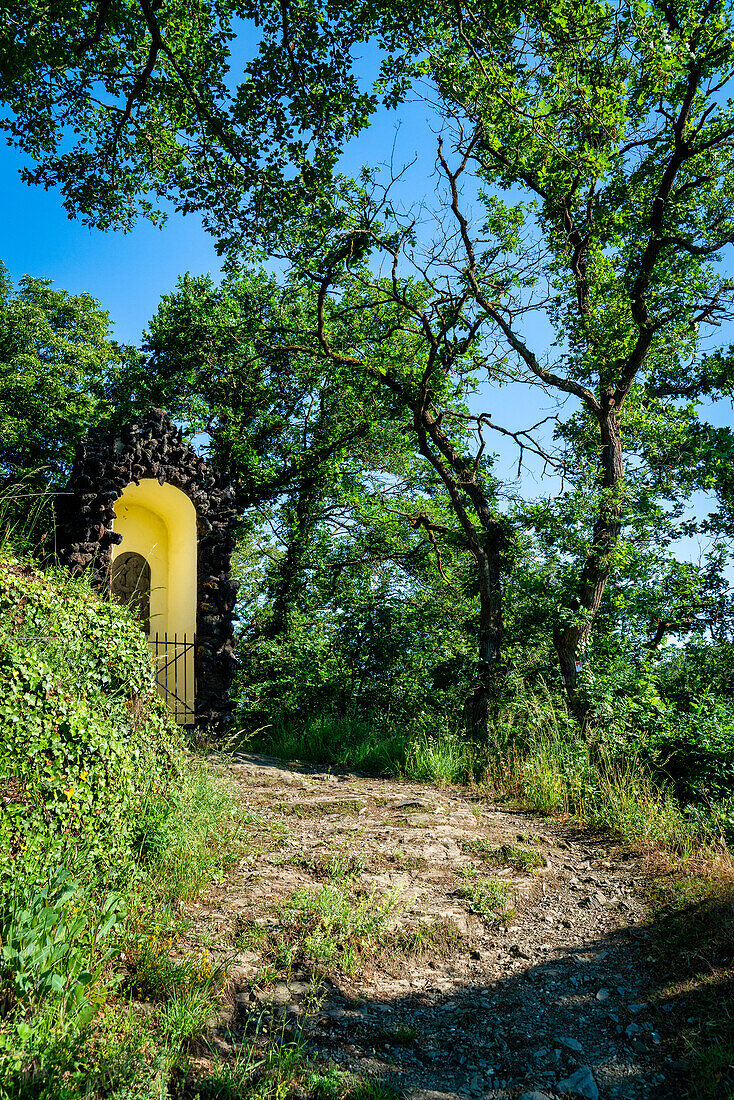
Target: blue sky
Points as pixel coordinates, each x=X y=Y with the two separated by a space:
x=127 y=272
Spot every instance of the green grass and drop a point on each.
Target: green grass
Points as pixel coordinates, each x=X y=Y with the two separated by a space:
x=378 y=746
x=503 y=855
x=441 y=758
x=489 y=898
x=83 y=1035
x=190 y=839
x=335 y=1084
x=535 y=756
x=268 y=1072
x=347 y=742
x=331 y=928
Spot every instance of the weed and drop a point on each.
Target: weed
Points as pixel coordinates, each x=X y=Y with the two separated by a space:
x=53 y=946
x=503 y=855
x=185 y=1016
x=367 y=746
x=443 y=758
x=341 y=865
x=488 y=897
x=402 y=1034
x=257 y=1072
x=198 y=838
x=328 y=928
x=711 y=1068
x=335 y=1084
x=159 y=974
x=535 y=755
x=379 y=745
x=249 y=936
x=436 y=938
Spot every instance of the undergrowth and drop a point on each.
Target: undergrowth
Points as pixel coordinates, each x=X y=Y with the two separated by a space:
x=692 y=936
x=377 y=745
x=536 y=755
x=107 y=824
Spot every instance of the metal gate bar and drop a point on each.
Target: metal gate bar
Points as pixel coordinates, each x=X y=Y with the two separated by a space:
x=175 y=683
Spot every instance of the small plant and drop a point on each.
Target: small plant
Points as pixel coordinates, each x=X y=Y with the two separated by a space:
x=487 y=897
x=53 y=945
x=249 y=936
x=503 y=855
x=159 y=973
x=442 y=758
x=328 y=928
x=402 y=1034
x=335 y=1084
x=185 y=1016
x=436 y=938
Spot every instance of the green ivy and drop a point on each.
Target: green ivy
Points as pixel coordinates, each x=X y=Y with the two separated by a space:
x=83 y=733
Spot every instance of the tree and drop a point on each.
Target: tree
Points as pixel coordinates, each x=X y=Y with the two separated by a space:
x=377 y=631
x=599 y=139
x=59 y=370
x=125 y=104
x=611 y=130
x=218 y=358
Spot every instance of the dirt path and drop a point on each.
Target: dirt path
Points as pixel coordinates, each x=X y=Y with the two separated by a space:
x=456 y=995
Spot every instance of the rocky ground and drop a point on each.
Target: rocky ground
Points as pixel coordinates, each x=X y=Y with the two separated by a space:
x=513 y=958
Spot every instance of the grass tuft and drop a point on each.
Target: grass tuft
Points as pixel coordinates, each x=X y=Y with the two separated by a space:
x=503 y=855
x=489 y=898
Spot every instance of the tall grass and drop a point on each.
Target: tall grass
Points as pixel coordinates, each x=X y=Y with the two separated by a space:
x=344 y=741
x=188 y=838
x=538 y=756
x=376 y=745
x=27 y=517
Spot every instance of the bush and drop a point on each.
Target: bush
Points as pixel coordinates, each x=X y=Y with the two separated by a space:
x=83 y=733
x=104 y=824
x=695 y=751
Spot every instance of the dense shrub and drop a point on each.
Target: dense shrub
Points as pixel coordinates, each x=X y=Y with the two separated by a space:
x=104 y=820
x=83 y=733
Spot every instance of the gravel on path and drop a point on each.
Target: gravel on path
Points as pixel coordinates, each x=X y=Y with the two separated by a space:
x=557 y=999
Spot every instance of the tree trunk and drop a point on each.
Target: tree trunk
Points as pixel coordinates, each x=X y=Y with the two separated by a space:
x=486 y=545
x=289 y=581
x=460 y=479
x=482 y=705
x=571 y=640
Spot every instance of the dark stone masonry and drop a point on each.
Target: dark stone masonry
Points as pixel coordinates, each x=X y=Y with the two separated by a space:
x=154 y=448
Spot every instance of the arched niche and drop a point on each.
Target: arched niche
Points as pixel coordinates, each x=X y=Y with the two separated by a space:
x=159 y=523
x=141 y=489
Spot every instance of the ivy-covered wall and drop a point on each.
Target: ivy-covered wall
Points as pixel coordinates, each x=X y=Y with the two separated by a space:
x=83 y=732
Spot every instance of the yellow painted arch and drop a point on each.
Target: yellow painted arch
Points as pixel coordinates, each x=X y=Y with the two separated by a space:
x=159 y=522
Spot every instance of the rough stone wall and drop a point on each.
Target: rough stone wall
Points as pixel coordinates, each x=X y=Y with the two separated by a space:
x=105 y=464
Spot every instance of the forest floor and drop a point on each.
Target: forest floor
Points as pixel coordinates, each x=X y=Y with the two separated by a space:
x=439 y=943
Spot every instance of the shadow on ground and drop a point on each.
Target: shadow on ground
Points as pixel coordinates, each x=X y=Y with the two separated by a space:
x=640 y=1013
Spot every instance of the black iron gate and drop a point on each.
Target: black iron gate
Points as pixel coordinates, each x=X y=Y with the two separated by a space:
x=174 y=662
